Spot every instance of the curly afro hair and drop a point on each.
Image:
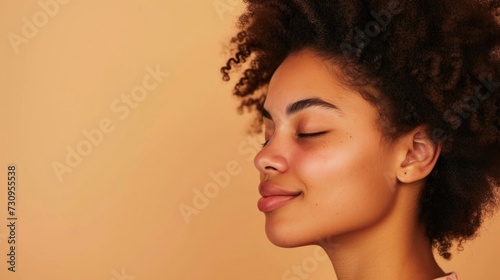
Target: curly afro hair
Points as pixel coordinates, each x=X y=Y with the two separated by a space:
x=426 y=62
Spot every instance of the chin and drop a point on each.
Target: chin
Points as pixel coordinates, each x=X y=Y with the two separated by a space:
x=286 y=237
x=284 y=242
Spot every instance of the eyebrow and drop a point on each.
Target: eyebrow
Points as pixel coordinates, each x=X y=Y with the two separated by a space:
x=301 y=105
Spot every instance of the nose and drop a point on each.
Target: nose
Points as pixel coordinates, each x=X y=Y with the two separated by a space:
x=271 y=158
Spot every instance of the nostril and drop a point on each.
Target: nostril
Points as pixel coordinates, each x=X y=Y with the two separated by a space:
x=270 y=168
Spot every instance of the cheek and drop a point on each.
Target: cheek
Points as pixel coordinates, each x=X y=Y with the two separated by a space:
x=346 y=181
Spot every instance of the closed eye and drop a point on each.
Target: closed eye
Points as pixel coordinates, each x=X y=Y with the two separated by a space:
x=302 y=135
x=309 y=135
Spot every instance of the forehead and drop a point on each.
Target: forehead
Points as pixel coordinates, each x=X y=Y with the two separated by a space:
x=306 y=75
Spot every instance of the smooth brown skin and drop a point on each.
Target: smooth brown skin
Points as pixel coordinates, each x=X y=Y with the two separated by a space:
x=359 y=198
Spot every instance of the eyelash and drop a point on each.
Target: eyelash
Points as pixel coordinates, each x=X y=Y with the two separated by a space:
x=309 y=135
x=302 y=135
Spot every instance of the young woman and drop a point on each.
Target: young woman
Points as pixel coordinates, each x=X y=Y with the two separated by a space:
x=381 y=127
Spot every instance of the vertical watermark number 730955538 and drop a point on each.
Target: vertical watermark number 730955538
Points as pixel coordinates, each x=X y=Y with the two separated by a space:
x=11 y=217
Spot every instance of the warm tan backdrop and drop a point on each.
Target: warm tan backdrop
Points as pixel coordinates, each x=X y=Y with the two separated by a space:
x=116 y=118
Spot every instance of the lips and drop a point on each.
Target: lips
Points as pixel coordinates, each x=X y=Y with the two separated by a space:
x=274 y=197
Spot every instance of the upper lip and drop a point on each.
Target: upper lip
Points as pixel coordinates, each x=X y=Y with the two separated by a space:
x=271 y=189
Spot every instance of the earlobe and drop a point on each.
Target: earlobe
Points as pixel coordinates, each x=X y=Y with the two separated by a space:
x=421 y=156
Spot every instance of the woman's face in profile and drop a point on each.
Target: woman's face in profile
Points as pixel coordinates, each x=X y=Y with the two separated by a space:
x=324 y=147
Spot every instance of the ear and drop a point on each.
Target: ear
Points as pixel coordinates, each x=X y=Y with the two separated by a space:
x=419 y=155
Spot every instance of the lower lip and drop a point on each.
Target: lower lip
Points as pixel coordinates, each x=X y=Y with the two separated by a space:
x=271 y=203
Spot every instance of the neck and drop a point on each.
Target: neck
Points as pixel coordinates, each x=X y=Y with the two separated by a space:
x=394 y=248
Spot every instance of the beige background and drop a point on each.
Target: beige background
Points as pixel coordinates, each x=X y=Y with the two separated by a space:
x=116 y=214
